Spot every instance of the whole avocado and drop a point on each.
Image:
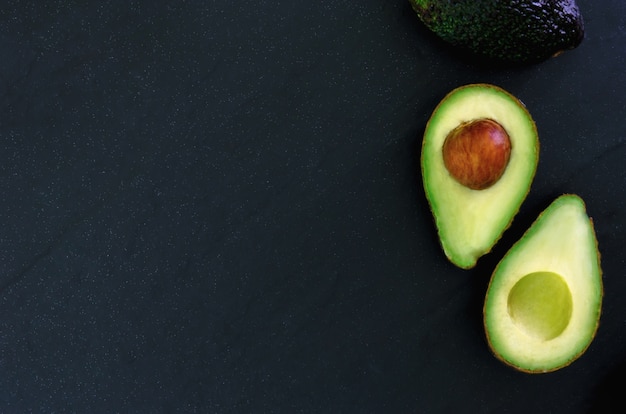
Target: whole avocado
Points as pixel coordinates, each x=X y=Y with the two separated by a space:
x=517 y=32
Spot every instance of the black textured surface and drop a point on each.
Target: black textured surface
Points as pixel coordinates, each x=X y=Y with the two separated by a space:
x=215 y=207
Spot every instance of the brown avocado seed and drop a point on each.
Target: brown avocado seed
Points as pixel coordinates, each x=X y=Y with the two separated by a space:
x=477 y=152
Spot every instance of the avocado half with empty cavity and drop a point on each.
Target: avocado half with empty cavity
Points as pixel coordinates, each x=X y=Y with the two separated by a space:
x=479 y=156
x=543 y=303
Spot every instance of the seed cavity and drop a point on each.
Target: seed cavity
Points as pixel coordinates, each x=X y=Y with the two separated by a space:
x=540 y=304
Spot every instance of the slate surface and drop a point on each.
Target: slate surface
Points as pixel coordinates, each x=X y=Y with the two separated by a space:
x=216 y=207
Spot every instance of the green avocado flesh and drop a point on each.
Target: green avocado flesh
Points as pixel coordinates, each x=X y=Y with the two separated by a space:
x=470 y=221
x=543 y=303
x=521 y=31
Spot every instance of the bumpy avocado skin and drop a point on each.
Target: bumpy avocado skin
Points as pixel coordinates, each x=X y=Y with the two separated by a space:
x=518 y=31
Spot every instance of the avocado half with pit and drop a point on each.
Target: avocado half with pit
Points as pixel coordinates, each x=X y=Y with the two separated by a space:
x=479 y=156
x=544 y=299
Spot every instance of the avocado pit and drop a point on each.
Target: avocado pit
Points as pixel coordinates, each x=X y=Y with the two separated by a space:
x=477 y=152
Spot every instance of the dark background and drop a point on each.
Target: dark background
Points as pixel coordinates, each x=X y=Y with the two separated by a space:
x=216 y=207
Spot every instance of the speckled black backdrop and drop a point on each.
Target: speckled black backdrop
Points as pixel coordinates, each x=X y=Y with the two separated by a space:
x=216 y=207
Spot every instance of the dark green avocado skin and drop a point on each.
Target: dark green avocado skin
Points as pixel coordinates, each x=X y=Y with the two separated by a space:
x=518 y=31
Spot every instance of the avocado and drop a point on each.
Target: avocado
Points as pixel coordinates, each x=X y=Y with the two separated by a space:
x=517 y=32
x=479 y=156
x=543 y=303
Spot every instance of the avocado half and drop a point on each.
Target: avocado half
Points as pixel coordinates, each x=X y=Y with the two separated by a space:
x=542 y=307
x=471 y=214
